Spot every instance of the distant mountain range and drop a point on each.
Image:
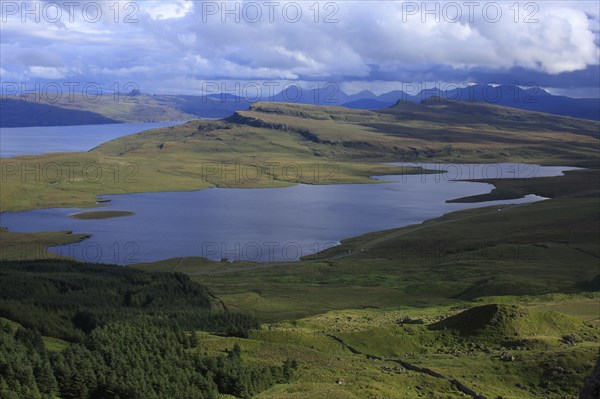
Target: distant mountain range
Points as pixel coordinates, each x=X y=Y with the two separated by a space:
x=138 y=107
x=530 y=99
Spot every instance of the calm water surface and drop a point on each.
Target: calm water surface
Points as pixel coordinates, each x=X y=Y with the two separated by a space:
x=270 y=224
x=16 y=141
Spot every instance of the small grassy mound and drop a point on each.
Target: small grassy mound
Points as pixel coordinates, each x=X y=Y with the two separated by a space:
x=499 y=323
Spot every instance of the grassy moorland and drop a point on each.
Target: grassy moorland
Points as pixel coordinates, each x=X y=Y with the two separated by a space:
x=494 y=302
x=508 y=351
x=76 y=330
x=273 y=145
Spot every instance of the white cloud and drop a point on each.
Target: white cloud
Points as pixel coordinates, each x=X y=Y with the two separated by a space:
x=124 y=72
x=178 y=40
x=160 y=10
x=47 y=72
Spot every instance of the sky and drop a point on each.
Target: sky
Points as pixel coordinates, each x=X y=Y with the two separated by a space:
x=190 y=47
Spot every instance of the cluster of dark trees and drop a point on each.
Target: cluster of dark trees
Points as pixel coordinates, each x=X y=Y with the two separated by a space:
x=131 y=335
x=67 y=300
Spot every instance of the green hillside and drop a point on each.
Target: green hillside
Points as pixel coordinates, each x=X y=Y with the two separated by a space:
x=494 y=302
x=123 y=334
x=143 y=350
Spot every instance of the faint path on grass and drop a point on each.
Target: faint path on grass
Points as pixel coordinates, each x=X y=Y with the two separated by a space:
x=409 y=366
x=179 y=262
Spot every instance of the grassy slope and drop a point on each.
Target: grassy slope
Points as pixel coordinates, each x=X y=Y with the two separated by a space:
x=52 y=344
x=543 y=365
x=326 y=366
x=30 y=246
x=113 y=108
x=580 y=183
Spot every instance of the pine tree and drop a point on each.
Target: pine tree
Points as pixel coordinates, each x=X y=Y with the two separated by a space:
x=44 y=376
